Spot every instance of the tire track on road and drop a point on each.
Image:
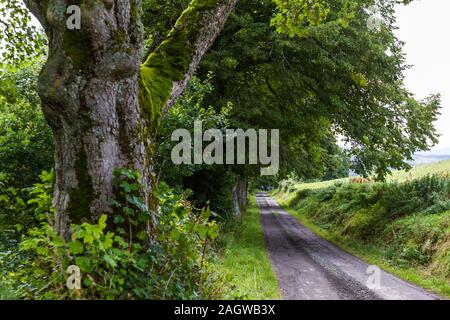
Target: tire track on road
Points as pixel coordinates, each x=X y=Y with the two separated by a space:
x=311 y=268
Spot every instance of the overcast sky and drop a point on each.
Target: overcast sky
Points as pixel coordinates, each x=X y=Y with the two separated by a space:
x=425 y=27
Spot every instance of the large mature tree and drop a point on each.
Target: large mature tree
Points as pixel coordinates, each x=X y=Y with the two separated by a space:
x=103 y=96
x=102 y=102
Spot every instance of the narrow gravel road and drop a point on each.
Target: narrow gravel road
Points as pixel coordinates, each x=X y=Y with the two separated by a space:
x=311 y=268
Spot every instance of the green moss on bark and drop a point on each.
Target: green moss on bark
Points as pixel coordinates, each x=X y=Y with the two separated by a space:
x=171 y=60
x=77 y=47
x=80 y=198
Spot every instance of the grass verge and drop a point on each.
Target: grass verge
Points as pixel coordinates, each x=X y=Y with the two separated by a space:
x=373 y=255
x=244 y=260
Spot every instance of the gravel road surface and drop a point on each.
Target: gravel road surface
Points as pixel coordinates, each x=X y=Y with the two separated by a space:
x=311 y=268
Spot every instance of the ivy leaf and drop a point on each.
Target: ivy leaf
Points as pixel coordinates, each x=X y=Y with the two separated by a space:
x=118 y=219
x=84 y=263
x=88 y=238
x=102 y=222
x=108 y=240
x=110 y=260
x=76 y=247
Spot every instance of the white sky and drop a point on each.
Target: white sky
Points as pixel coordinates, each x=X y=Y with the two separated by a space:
x=425 y=27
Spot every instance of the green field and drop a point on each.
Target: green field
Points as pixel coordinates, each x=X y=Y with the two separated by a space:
x=244 y=261
x=442 y=167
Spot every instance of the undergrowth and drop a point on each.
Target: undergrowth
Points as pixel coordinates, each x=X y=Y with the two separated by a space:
x=120 y=256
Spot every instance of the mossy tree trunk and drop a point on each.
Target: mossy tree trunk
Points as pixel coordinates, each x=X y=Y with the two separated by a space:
x=101 y=103
x=242 y=188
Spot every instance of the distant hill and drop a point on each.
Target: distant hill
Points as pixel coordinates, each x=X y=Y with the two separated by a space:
x=431 y=156
x=421 y=170
x=397 y=175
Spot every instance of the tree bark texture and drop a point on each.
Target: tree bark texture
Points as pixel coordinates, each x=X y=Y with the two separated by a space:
x=239 y=196
x=101 y=104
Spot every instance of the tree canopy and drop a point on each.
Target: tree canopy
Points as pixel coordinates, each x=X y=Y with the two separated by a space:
x=316 y=78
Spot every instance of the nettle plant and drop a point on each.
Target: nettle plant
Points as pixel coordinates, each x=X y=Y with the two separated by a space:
x=116 y=257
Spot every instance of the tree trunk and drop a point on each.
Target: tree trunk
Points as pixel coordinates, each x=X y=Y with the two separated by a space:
x=242 y=192
x=235 y=200
x=239 y=196
x=101 y=103
x=89 y=91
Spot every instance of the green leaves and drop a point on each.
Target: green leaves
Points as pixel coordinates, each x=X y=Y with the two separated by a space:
x=102 y=222
x=332 y=76
x=20 y=38
x=85 y=263
x=118 y=261
x=76 y=247
x=93 y=234
x=110 y=260
x=294 y=17
x=128 y=187
x=25 y=137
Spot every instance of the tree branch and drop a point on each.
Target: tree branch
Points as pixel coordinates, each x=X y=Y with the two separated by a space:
x=167 y=70
x=36 y=7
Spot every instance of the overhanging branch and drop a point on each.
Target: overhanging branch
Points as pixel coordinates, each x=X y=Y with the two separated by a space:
x=166 y=72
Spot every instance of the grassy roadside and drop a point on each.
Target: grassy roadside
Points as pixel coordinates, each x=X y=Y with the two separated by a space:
x=244 y=260
x=372 y=254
